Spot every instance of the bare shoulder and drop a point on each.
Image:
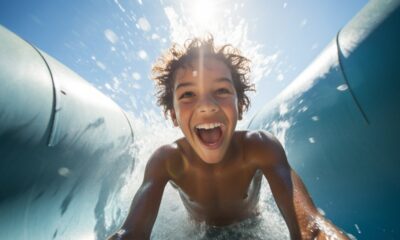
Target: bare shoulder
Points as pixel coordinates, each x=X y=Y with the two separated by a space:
x=261 y=140
x=166 y=151
x=159 y=162
x=263 y=148
x=259 y=136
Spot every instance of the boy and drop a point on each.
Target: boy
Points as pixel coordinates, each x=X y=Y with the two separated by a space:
x=215 y=168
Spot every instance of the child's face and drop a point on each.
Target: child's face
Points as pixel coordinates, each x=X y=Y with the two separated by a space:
x=205 y=107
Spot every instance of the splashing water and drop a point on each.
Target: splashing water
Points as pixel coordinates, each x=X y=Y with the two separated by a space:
x=173 y=221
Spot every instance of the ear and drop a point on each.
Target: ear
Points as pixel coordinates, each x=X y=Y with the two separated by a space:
x=173 y=117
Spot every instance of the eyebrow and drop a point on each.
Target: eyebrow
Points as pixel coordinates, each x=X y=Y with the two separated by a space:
x=185 y=84
x=224 y=79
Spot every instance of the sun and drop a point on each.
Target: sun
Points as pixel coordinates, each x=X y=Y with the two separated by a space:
x=198 y=18
x=204 y=14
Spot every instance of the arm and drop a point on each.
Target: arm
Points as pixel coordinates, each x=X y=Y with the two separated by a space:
x=146 y=203
x=303 y=219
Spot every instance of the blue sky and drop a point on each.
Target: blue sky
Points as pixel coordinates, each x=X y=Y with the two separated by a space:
x=113 y=43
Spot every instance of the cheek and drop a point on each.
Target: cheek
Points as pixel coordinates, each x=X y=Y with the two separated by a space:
x=230 y=103
x=183 y=111
x=184 y=108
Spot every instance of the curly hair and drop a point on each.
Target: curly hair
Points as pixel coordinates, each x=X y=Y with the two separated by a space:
x=165 y=68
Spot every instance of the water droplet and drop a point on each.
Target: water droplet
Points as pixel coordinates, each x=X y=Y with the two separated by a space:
x=63 y=171
x=142 y=54
x=303 y=109
x=144 y=24
x=111 y=36
x=315 y=118
x=136 y=76
x=283 y=109
x=322 y=212
x=342 y=87
x=358 y=229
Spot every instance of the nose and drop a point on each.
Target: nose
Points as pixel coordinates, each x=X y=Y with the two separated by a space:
x=207 y=104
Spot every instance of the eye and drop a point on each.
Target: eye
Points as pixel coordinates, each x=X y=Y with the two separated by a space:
x=223 y=91
x=186 y=95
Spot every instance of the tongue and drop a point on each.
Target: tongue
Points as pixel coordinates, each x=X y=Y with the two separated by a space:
x=210 y=136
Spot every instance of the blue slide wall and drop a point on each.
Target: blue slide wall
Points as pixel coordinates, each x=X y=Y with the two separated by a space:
x=64 y=148
x=340 y=124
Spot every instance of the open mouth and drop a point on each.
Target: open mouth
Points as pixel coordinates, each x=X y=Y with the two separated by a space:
x=210 y=134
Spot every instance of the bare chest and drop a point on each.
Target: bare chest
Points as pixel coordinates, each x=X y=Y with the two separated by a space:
x=231 y=194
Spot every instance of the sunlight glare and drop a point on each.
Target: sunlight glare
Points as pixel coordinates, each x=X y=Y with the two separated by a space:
x=203 y=13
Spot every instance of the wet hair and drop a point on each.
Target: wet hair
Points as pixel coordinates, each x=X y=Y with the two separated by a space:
x=176 y=57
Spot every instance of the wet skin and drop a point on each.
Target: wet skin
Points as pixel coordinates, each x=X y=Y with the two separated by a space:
x=219 y=182
x=207 y=189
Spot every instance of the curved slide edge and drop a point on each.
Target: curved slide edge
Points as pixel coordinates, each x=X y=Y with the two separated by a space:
x=64 y=149
x=339 y=122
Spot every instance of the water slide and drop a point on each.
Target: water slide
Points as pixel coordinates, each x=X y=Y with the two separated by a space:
x=339 y=121
x=66 y=149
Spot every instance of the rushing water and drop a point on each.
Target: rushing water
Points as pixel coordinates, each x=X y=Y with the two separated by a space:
x=173 y=221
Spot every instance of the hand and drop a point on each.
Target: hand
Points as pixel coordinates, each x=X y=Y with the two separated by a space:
x=324 y=230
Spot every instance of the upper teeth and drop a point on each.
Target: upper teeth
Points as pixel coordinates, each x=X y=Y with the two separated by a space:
x=208 y=125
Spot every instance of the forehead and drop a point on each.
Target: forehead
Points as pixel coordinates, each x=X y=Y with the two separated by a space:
x=209 y=67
